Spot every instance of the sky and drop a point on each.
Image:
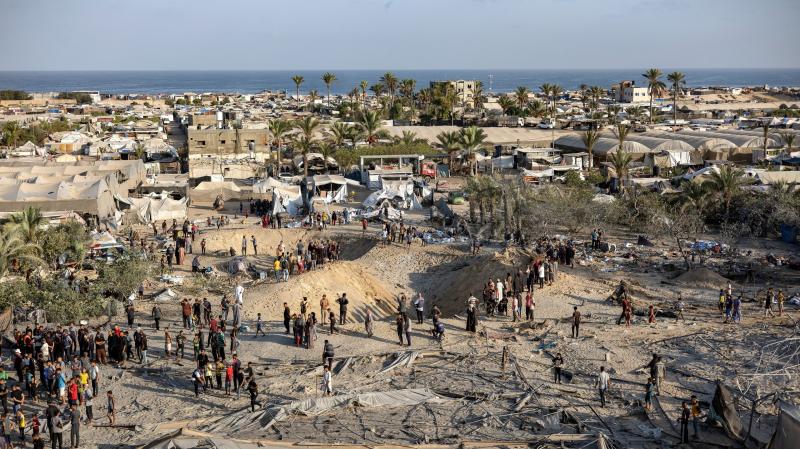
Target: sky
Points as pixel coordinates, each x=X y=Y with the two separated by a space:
x=397 y=34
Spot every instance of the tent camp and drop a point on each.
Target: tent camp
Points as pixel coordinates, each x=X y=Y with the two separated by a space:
x=93 y=198
x=208 y=191
x=156 y=208
x=400 y=193
x=332 y=188
x=287 y=199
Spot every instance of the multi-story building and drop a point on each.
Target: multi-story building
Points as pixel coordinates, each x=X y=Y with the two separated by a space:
x=628 y=92
x=464 y=89
x=233 y=143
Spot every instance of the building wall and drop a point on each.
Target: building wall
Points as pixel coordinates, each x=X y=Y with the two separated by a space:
x=465 y=89
x=224 y=141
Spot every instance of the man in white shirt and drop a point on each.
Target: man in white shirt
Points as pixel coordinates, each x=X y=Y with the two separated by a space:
x=238 y=293
x=602 y=384
x=419 y=304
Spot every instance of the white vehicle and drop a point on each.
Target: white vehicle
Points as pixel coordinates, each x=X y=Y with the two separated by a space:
x=547 y=124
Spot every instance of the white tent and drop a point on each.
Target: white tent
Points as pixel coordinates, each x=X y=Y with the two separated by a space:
x=398 y=191
x=288 y=200
x=151 y=209
x=332 y=188
x=266 y=185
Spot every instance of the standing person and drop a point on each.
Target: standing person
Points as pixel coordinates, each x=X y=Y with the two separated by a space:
x=399 y=322
x=186 y=312
x=244 y=245
x=602 y=383
x=530 y=305
x=255 y=244
x=419 y=305
x=324 y=305
x=168 y=344
x=198 y=379
x=8 y=426
x=558 y=362
x=143 y=358
x=111 y=408
x=781 y=298
x=21 y=425
x=327 y=354
x=736 y=305
x=327 y=381
x=768 y=302
x=679 y=306
x=576 y=322
x=368 y=326
x=696 y=412
x=57 y=431
x=343 y=302
x=94 y=375
x=252 y=389
x=156 y=314
x=75 y=426
x=648 y=395
x=287 y=317
x=684 y=420
x=88 y=402
x=260 y=326
x=472 y=318
x=651 y=314
x=721 y=302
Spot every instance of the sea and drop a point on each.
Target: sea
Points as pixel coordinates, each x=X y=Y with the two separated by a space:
x=177 y=82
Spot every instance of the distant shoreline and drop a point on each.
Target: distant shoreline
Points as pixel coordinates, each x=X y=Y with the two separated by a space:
x=165 y=82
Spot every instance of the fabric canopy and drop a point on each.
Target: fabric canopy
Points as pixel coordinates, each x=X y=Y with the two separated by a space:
x=152 y=209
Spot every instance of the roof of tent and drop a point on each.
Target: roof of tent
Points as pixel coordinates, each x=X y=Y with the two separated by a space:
x=741 y=141
x=658 y=144
x=604 y=145
x=772 y=177
x=322 y=180
x=699 y=142
x=91 y=197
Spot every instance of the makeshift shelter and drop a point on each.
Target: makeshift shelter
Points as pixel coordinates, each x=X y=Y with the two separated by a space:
x=603 y=146
x=787 y=432
x=723 y=410
x=93 y=198
x=317 y=163
x=157 y=208
x=398 y=193
x=287 y=199
x=266 y=185
x=208 y=191
x=332 y=188
x=771 y=177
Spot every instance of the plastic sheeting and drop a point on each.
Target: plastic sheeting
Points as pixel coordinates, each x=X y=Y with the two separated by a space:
x=152 y=209
x=787 y=432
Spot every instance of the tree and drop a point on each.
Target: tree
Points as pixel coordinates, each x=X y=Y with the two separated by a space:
x=408 y=138
x=536 y=108
x=14 y=95
x=621 y=162
x=726 y=183
x=328 y=78
x=765 y=133
x=694 y=195
x=589 y=139
x=788 y=140
x=389 y=81
x=11 y=133
x=521 y=97
x=449 y=142
x=677 y=79
x=370 y=124
x=313 y=95
x=555 y=92
x=507 y=104
x=14 y=251
x=338 y=133
x=478 y=97
x=28 y=224
x=298 y=80
x=635 y=112
x=327 y=148
x=307 y=127
x=654 y=86
x=363 y=85
x=472 y=139
x=139 y=151
x=278 y=129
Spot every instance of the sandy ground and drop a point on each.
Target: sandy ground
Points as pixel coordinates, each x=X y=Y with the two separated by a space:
x=158 y=398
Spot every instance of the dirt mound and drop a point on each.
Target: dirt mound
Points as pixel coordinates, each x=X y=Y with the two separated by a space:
x=702 y=277
x=363 y=291
x=268 y=239
x=468 y=275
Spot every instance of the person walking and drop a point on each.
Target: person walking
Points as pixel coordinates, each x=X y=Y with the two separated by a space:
x=75 y=426
x=156 y=314
x=327 y=381
x=602 y=383
x=111 y=407
x=368 y=323
x=400 y=323
x=57 y=431
x=530 y=305
x=324 y=305
x=407 y=328
x=287 y=317
x=576 y=322
x=768 y=303
x=252 y=389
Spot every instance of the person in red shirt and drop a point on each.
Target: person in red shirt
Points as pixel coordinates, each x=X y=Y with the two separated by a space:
x=228 y=378
x=363 y=226
x=72 y=391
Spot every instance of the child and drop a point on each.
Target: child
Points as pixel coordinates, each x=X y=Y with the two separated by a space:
x=35 y=424
x=21 y=424
x=648 y=394
x=651 y=314
x=228 y=379
x=112 y=417
x=260 y=326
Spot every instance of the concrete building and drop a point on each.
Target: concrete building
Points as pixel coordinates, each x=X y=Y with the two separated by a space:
x=233 y=143
x=628 y=92
x=465 y=89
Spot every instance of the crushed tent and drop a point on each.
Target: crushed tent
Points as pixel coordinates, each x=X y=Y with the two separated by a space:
x=724 y=411
x=787 y=432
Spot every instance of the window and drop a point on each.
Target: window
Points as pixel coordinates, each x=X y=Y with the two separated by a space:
x=201 y=142
x=222 y=142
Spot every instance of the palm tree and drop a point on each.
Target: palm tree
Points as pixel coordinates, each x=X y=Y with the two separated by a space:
x=621 y=162
x=139 y=151
x=521 y=97
x=407 y=88
x=313 y=95
x=536 y=108
x=694 y=196
x=28 y=223
x=307 y=126
x=765 y=133
x=654 y=86
x=677 y=79
x=725 y=183
x=471 y=140
x=589 y=139
x=390 y=82
x=278 y=128
x=408 y=138
x=478 y=98
x=14 y=250
x=328 y=78
x=555 y=91
x=11 y=133
x=298 y=80
x=364 y=85
x=621 y=133
x=327 y=149
x=338 y=133
x=370 y=124
x=788 y=140
x=635 y=112
x=449 y=142
x=546 y=89
x=506 y=103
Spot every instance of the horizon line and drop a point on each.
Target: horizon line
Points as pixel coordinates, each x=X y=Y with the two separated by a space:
x=385 y=69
